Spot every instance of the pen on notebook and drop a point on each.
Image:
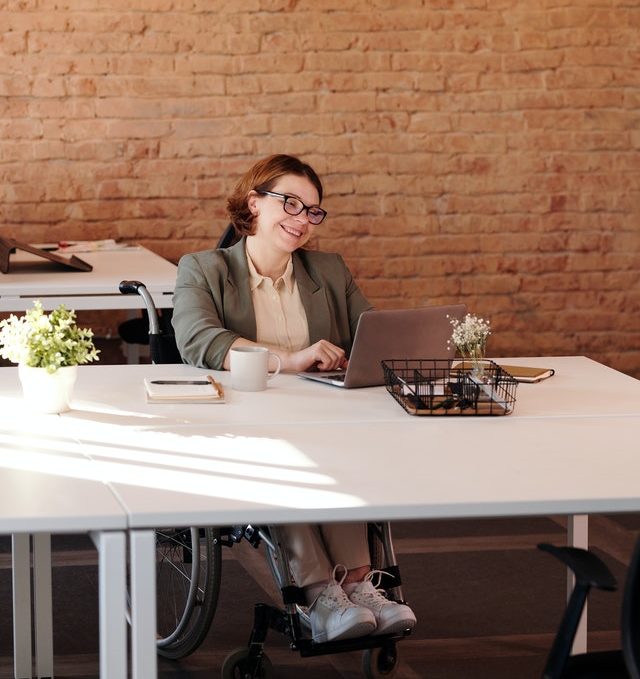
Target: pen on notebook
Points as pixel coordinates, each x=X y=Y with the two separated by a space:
x=179 y=382
x=217 y=386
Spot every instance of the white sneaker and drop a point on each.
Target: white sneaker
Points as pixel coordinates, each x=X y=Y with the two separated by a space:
x=391 y=617
x=334 y=617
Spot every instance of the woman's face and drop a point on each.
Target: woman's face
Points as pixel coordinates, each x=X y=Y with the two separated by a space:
x=276 y=227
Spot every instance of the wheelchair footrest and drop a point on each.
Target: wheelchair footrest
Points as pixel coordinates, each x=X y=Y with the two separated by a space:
x=308 y=648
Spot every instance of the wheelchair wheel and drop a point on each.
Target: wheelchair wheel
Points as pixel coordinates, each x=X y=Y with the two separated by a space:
x=235 y=666
x=380 y=662
x=188 y=565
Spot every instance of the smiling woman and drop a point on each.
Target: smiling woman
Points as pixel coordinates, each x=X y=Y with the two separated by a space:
x=304 y=306
x=268 y=289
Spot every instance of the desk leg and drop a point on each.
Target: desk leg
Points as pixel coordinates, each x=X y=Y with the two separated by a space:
x=578 y=536
x=21 y=585
x=142 y=545
x=132 y=353
x=112 y=570
x=42 y=604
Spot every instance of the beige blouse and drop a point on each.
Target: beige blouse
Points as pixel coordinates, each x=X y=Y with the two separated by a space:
x=280 y=317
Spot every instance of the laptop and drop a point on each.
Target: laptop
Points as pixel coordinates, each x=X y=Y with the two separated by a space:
x=393 y=334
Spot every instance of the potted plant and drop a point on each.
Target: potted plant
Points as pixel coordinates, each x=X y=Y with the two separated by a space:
x=47 y=348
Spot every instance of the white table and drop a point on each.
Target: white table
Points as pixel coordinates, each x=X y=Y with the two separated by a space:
x=569 y=447
x=580 y=388
x=49 y=486
x=31 y=277
x=263 y=457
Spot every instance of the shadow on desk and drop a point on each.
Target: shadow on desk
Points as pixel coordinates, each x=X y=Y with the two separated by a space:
x=487 y=603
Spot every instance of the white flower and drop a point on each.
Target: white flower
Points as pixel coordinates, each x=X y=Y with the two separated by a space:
x=470 y=334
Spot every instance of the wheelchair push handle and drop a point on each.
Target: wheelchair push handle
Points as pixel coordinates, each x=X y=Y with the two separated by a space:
x=130 y=287
x=138 y=288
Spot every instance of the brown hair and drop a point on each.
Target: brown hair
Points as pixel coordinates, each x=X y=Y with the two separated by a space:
x=262 y=177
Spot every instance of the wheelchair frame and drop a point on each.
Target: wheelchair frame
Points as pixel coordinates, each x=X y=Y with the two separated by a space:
x=189 y=560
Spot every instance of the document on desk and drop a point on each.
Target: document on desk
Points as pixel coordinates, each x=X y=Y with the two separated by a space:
x=108 y=244
x=171 y=389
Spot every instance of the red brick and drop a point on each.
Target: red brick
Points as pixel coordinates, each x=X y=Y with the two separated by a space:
x=485 y=154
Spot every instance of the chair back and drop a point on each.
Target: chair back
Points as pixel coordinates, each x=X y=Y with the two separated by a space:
x=228 y=238
x=630 y=623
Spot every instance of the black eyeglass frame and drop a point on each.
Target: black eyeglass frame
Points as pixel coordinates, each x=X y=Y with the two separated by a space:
x=286 y=202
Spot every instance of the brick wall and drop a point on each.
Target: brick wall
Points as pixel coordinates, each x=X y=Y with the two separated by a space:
x=475 y=150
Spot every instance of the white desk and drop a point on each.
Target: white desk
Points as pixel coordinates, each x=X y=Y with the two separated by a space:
x=263 y=457
x=31 y=278
x=581 y=387
x=48 y=486
x=217 y=475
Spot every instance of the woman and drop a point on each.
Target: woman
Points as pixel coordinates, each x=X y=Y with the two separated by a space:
x=304 y=306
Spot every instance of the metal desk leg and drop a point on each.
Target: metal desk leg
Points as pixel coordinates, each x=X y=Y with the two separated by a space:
x=112 y=569
x=143 y=604
x=578 y=536
x=42 y=604
x=21 y=584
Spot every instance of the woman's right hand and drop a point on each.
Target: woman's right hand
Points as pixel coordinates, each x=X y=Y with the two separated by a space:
x=322 y=356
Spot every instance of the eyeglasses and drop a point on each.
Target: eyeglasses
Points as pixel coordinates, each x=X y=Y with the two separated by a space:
x=294 y=206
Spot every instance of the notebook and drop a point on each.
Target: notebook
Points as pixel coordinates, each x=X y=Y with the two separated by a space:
x=181 y=389
x=393 y=334
x=525 y=374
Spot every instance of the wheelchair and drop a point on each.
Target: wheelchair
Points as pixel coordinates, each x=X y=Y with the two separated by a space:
x=189 y=571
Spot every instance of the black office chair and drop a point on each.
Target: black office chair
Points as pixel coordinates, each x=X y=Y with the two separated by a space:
x=228 y=238
x=155 y=329
x=590 y=571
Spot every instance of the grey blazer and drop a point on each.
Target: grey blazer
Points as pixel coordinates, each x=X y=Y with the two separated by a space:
x=213 y=306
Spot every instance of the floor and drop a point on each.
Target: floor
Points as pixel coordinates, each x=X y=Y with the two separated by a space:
x=487 y=603
x=486 y=599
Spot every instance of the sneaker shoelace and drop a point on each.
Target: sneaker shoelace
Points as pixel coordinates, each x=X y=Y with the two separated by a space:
x=333 y=596
x=371 y=592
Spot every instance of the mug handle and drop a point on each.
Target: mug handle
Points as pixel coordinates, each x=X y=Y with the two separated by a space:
x=277 y=370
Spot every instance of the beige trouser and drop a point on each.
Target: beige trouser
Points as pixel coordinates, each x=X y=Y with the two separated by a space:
x=314 y=549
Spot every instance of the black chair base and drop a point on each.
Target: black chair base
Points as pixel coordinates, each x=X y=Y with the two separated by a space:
x=596 y=665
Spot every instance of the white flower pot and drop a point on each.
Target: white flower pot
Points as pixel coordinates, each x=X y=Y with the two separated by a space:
x=47 y=392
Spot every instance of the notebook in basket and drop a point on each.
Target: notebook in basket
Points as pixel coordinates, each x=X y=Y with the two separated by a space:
x=405 y=333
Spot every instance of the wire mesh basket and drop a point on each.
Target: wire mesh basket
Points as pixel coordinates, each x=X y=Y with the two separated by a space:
x=443 y=386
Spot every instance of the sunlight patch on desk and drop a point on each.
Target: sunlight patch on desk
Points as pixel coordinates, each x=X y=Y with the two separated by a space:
x=262 y=450
x=154 y=459
x=27 y=441
x=277 y=494
x=82 y=409
x=56 y=463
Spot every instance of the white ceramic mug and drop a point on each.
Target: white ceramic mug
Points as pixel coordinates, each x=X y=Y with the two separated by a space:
x=250 y=368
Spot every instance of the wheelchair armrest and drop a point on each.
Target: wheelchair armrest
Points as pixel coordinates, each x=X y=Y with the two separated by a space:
x=588 y=569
